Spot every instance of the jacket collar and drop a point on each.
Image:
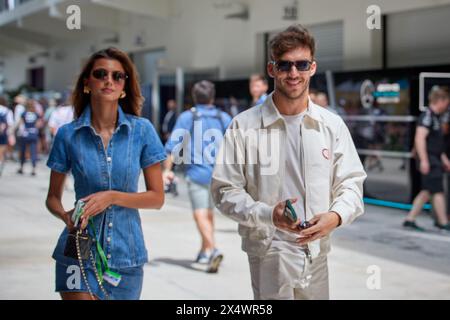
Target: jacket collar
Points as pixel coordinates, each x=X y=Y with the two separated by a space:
x=271 y=114
x=85 y=119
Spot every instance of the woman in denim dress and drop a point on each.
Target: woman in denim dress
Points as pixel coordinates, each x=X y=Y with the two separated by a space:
x=105 y=148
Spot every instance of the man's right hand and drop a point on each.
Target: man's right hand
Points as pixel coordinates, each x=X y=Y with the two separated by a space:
x=424 y=167
x=281 y=221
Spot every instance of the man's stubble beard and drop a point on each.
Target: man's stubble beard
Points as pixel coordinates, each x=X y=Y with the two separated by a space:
x=286 y=95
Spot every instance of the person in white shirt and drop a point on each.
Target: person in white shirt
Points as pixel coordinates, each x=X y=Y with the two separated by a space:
x=8 y=114
x=258 y=87
x=61 y=116
x=312 y=162
x=6 y=131
x=19 y=109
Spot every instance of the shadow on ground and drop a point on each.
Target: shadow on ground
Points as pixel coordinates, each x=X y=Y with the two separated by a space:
x=187 y=264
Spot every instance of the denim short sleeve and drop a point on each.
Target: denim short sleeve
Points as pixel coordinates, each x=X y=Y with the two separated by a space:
x=59 y=159
x=152 y=148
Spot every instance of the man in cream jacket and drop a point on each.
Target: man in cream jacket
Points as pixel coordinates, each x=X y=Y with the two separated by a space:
x=288 y=148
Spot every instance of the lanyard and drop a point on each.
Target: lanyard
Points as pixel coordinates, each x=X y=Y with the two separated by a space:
x=110 y=276
x=100 y=256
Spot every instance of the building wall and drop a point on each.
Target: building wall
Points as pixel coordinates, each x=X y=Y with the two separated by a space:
x=197 y=36
x=15 y=71
x=411 y=43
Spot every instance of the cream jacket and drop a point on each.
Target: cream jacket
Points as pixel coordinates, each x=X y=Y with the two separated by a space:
x=248 y=176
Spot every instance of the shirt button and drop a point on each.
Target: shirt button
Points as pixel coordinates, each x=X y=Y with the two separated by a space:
x=108 y=239
x=110 y=207
x=110 y=225
x=109 y=159
x=108 y=256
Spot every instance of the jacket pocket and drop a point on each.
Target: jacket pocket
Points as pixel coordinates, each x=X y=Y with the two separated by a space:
x=319 y=187
x=254 y=233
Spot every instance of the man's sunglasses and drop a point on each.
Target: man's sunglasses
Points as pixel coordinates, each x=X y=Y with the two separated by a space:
x=102 y=74
x=286 y=66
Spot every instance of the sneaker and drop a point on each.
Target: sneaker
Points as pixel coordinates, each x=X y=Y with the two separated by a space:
x=445 y=227
x=412 y=225
x=20 y=171
x=203 y=257
x=214 y=262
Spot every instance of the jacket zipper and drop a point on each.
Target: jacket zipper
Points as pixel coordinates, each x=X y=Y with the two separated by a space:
x=307 y=251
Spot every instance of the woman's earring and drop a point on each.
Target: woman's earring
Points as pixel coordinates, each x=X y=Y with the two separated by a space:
x=86 y=90
x=123 y=95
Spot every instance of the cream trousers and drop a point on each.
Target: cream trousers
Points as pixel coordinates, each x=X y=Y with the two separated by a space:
x=285 y=273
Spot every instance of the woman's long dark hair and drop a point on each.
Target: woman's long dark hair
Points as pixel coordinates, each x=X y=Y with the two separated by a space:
x=131 y=104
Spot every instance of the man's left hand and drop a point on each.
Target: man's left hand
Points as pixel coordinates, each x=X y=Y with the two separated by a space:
x=322 y=225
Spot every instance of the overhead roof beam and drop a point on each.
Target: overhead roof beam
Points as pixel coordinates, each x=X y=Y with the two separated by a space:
x=25 y=9
x=153 y=8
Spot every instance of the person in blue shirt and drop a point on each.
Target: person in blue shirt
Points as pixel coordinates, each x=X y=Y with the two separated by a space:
x=258 y=86
x=31 y=123
x=106 y=147
x=194 y=142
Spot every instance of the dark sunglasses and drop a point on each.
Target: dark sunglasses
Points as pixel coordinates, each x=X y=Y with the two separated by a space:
x=286 y=66
x=102 y=74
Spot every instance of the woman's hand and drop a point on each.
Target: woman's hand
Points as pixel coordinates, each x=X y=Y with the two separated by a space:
x=95 y=204
x=67 y=218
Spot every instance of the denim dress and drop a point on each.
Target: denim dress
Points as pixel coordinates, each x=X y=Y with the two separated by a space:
x=134 y=146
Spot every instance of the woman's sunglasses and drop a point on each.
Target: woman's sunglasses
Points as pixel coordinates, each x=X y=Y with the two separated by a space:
x=102 y=74
x=286 y=66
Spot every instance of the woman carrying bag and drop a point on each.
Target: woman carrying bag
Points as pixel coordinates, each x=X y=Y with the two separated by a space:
x=105 y=148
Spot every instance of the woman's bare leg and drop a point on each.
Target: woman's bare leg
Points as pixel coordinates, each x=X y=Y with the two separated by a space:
x=77 y=296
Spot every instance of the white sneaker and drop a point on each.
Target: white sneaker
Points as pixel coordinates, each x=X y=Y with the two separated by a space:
x=215 y=261
x=203 y=257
